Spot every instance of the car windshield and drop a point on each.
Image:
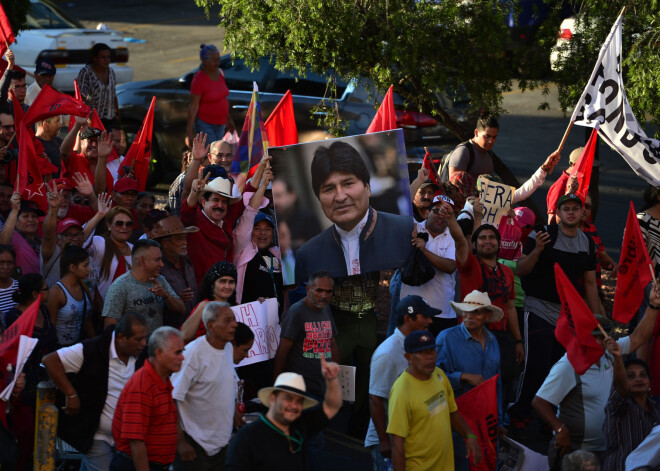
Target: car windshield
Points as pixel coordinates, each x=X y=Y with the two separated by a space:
x=45 y=16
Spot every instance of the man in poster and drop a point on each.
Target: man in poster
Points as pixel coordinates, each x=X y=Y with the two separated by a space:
x=361 y=239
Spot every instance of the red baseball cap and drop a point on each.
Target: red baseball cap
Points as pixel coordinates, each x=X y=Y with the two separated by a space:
x=64 y=224
x=125 y=184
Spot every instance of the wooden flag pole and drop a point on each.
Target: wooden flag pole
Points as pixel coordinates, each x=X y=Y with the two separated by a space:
x=652 y=272
x=435 y=170
x=563 y=139
x=600 y=327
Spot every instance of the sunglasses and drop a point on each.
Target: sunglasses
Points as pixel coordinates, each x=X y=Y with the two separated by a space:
x=124 y=223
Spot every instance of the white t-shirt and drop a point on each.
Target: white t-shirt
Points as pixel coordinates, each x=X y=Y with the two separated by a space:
x=350 y=243
x=440 y=289
x=96 y=251
x=118 y=375
x=205 y=391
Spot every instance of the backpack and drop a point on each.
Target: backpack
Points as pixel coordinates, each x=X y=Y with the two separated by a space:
x=443 y=168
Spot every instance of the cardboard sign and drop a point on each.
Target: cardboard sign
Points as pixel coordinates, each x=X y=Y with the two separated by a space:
x=347 y=382
x=496 y=198
x=263 y=320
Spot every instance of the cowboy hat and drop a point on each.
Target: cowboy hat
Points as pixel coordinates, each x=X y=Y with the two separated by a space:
x=478 y=300
x=171 y=225
x=289 y=382
x=221 y=186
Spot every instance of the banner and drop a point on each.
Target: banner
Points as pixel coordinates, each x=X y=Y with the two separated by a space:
x=262 y=318
x=496 y=198
x=478 y=407
x=634 y=271
x=604 y=105
x=25 y=346
x=10 y=340
x=575 y=324
x=385 y=119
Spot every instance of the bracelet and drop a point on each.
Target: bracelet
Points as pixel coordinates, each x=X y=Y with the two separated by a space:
x=560 y=428
x=72 y=396
x=471 y=435
x=654 y=307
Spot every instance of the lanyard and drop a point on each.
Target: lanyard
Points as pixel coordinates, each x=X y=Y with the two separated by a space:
x=298 y=439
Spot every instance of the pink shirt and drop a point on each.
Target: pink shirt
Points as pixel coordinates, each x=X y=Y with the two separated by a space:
x=213 y=105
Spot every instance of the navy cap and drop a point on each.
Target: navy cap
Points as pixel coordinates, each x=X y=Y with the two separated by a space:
x=45 y=67
x=263 y=217
x=413 y=304
x=569 y=197
x=418 y=340
x=215 y=171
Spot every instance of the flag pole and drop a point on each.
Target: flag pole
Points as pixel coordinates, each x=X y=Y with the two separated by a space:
x=435 y=170
x=600 y=327
x=652 y=272
x=563 y=139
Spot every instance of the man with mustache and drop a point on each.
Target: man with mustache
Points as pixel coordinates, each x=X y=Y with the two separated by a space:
x=423 y=195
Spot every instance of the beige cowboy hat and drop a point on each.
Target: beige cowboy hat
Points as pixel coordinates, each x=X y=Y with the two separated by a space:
x=221 y=186
x=171 y=225
x=289 y=382
x=478 y=300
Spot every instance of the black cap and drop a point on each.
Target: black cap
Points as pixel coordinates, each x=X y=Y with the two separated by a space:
x=215 y=171
x=90 y=132
x=28 y=206
x=45 y=67
x=413 y=304
x=417 y=341
x=569 y=197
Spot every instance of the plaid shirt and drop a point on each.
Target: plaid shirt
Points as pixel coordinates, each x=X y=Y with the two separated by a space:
x=180 y=279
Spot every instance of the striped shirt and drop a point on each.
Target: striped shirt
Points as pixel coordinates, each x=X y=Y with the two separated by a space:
x=6 y=300
x=98 y=95
x=146 y=411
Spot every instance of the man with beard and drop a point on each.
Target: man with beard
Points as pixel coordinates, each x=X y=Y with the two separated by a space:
x=575 y=253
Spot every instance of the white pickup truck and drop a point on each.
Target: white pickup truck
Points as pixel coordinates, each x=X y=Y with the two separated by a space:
x=51 y=33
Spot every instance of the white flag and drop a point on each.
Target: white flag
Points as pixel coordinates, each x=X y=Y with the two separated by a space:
x=604 y=105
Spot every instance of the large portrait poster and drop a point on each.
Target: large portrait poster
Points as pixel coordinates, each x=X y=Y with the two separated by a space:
x=343 y=205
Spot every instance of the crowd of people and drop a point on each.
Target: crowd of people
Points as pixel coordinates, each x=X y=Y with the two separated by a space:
x=136 y=330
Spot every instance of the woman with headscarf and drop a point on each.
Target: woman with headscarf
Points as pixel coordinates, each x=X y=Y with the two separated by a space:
x=209 y=108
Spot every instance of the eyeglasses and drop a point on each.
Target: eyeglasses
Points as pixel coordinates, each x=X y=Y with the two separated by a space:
x=124 y=223
x=14 y=87
x=75 y=235
x=226 y=156
x=8 y=126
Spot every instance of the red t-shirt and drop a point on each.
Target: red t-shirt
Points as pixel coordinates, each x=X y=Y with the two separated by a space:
x=79 y=163
x=213 y=105
x=146 y=411
x=498 y=283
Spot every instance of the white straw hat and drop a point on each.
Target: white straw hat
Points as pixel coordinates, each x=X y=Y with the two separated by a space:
x=289 y=382
x=478 y=300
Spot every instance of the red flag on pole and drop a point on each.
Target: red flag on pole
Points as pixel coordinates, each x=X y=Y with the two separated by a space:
x=584 y=165
x=11 y=337
x=53 y=103
x=6 y=32
x=432 y=172
x=30 y=181
x=478 y=407
x=385 y=118
x=139 y=154
x=575 y=324
x=634 y=271
x=281 y=124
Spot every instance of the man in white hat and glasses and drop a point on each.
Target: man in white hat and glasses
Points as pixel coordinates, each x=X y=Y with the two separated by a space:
x=276 y=441
x=469 y=355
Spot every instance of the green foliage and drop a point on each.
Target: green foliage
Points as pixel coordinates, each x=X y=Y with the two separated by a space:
x=16 y=12
x=640 y=52
x=423 y=47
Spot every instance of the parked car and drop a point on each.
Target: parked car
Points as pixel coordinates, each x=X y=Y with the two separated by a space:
x=355 y=102
x=52 y=34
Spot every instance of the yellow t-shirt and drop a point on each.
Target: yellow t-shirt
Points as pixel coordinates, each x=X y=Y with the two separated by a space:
x=419 y=412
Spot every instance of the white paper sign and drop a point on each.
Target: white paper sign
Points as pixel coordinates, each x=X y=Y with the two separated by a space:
x=347 y=382
x=25 y=346
x=262 y=318
x=496 y=198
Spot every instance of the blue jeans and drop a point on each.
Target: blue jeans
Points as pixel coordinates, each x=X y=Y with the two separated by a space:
x=98 y=457
x=215 y=132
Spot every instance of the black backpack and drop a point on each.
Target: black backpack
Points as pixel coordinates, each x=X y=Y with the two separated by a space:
x=443 y=170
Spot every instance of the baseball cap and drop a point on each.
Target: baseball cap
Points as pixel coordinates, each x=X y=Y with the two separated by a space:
x=415 y=304
x=440 y=198
x=28 y=206
x=569 y=197
x=125 y=184
x=45 y=67
x=525 y=216
x=417 y=341
x=66 y=223
x=90 y=132
x=429 y=182
x=263 y=217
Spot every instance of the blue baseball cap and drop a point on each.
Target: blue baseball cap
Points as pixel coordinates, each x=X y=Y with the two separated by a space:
x=418 y=340
x=413 y=304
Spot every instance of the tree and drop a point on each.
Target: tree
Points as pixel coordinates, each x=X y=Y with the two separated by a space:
x=423 y=47
x=640 y=50
x=16 y=11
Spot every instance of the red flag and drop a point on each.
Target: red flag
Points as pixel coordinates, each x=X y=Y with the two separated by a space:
x=634 y=271
x=427 y=164
x=29 y=178
x=77 y=96
x=18 y=114
x=478 y=407
x=6 y=32
x=11 y=337
x=52 y=103
x=139 y=154
x=575 y=324
x=584 y=165
x=385 y=118
x=281 y=124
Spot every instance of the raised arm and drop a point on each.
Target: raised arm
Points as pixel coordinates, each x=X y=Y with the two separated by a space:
x=10 y=223
x=199 y=152
x=332 y=401
x=422 y=176
x=190 y=325
x=70 y=139
x=460 y=242
x=644 y=330
x=103 y=202
x=104 y=149
x=197 y=190
x=258 y=196
x=49 y=238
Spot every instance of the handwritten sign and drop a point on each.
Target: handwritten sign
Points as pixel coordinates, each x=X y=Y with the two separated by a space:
x=265 y=324
x=347 y=382
x=496 y=198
